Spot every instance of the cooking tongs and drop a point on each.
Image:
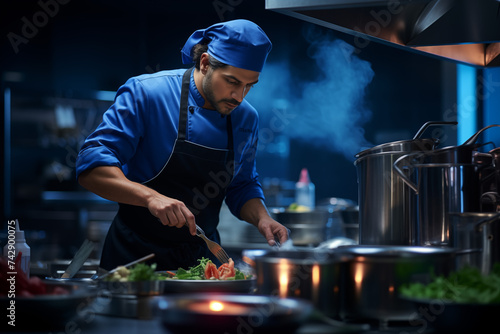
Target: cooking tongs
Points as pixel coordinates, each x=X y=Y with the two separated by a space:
x=214 y=247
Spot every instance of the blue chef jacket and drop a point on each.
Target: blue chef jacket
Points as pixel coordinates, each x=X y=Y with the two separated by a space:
x=138 y=133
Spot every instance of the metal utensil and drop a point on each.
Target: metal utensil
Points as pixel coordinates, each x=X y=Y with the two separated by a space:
x=79 y=259
x=142 y=259
x=214 y=247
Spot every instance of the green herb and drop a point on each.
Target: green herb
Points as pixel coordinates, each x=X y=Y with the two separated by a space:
x=238 y=274
x=193 y=273
x=142 y=272
x=466 y=285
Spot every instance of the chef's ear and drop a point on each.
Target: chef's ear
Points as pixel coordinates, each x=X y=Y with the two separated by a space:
x=204 y=63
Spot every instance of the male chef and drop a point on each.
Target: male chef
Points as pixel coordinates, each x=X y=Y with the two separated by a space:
x=175 y=144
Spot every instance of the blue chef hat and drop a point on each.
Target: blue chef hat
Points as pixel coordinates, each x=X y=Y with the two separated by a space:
x=239 y=43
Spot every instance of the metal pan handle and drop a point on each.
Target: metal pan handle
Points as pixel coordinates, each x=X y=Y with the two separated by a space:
x=479 y=226
x=431 y=123
x=473 y=139
x=405 y=161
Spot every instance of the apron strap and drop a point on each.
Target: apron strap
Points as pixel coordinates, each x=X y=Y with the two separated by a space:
x=230 y=147
x=183 y=115
x=186 y=79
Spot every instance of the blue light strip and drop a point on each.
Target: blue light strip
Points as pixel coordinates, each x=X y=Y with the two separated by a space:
x=466 y=102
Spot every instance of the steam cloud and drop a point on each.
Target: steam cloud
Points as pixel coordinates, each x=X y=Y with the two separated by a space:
x=328 y=112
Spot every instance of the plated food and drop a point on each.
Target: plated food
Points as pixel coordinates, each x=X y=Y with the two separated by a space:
x=204 y=270
x=207 y=270
x=143 y=279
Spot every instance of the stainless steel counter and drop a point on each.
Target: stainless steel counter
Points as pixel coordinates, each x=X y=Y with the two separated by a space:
x=99 y=324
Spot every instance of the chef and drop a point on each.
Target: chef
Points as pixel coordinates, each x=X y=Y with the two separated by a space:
x=175 y=144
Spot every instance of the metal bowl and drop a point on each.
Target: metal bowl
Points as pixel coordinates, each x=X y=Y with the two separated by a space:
x=48 y=311
x=228 y=313
x=142 y=288
x=209 y=286
x=175 y=286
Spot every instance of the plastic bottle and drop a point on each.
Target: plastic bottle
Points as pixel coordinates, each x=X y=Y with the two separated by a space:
x=17 y=242
x=305 y=190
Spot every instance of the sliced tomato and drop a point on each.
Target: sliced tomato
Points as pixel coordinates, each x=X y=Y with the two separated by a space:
x=171 y=273
x=211 y=271
x=226 y=270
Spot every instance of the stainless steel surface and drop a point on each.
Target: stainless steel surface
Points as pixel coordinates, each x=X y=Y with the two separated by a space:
x=141 y=288
x=209 y=286
x=412 y=145
x=372 y=276
x=464 y=153
x=214 y=247
x=461 y=30
x=444 y=188
x=441 y=188
x=79 y=259
x=313 y=275
x=78 y=280
x=336 y=242
x=477 y=231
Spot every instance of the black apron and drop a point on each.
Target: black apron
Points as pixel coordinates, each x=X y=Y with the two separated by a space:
x=194 y=174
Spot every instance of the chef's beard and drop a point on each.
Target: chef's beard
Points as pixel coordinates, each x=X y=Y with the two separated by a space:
x=210 y=96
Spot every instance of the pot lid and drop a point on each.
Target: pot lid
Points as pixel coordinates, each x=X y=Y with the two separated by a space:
x=385 y=251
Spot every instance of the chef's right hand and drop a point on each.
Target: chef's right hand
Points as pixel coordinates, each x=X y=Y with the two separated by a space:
x=109 y=182
x=172 y=212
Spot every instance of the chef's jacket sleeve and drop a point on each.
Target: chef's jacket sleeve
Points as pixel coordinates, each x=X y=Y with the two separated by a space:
x=115 y=140
x=245 y=184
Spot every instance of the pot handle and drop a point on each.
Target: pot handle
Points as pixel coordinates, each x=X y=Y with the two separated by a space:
x=405 y=161
x=431 y=123
x=473 y=139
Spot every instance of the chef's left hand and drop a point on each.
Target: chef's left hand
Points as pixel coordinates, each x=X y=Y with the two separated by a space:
x=255 y=212
x=272 y=231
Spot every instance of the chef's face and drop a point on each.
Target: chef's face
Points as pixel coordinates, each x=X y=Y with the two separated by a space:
x=225 y=87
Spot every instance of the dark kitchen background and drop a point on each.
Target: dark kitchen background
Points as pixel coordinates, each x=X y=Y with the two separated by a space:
x=322 y=98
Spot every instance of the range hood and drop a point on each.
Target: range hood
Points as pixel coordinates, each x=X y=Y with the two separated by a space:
x=465 y=31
